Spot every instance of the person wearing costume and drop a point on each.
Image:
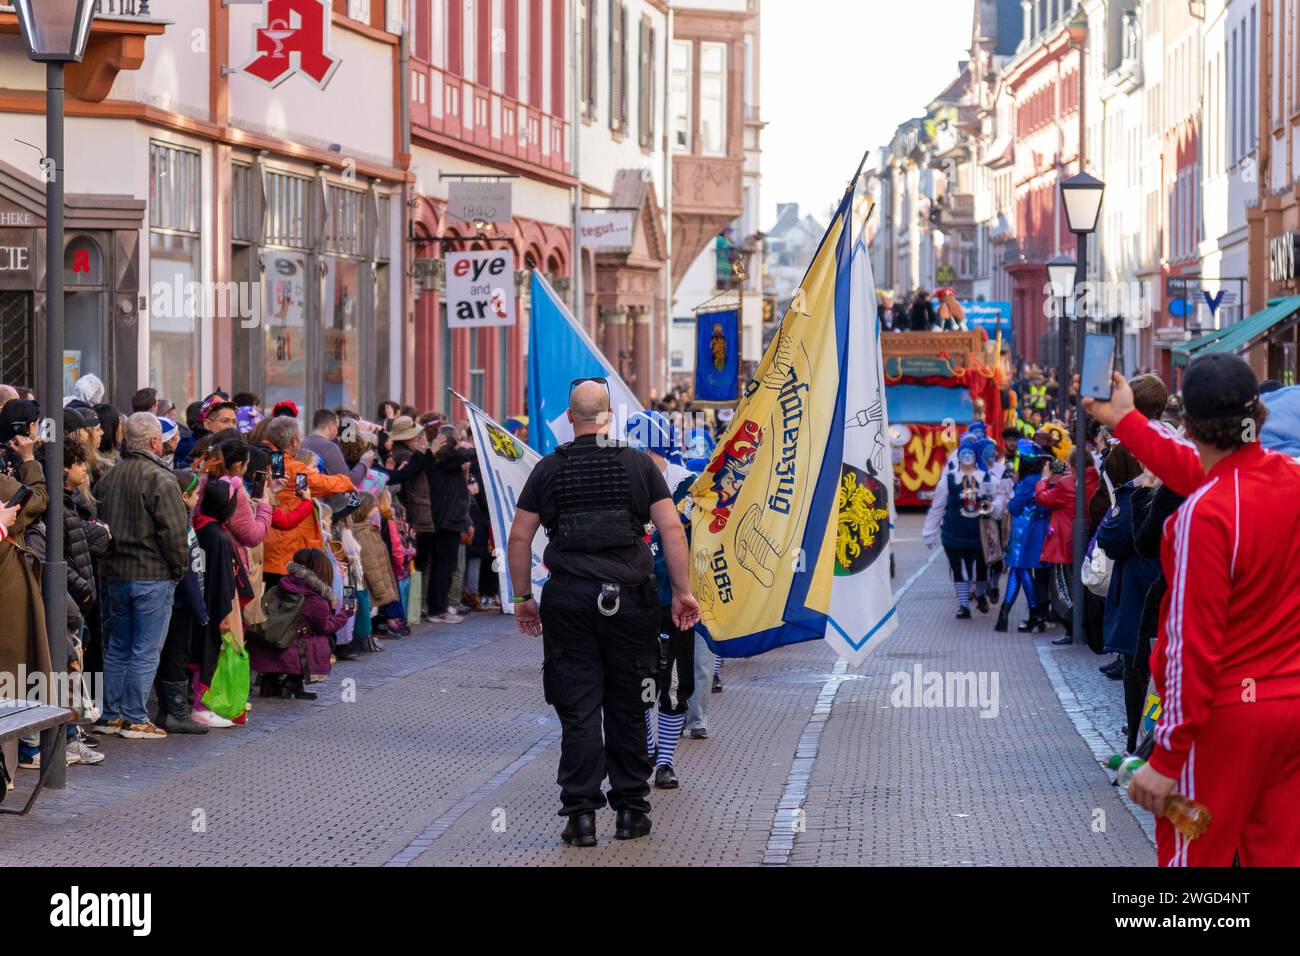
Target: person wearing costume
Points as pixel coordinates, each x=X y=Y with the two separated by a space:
x=652 y=433
x=1029 y=524
x=960 y=497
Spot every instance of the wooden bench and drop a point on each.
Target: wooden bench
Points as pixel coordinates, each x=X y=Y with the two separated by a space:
x=20 y=718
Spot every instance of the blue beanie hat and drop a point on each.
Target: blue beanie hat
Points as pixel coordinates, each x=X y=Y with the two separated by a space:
x=650 y=431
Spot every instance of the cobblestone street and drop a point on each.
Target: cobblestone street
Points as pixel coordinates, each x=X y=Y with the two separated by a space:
x=448 y=756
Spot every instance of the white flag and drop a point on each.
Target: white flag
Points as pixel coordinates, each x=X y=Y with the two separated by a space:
x=505 y=463
x=862 y=609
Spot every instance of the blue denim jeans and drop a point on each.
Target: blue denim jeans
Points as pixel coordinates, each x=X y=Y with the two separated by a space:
x=136 y=615
x=697 y=709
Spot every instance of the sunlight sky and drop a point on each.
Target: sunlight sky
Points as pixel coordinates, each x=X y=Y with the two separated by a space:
x=837 y=77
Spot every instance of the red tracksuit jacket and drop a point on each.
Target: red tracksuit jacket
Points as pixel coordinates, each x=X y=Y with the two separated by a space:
x=1230 y=620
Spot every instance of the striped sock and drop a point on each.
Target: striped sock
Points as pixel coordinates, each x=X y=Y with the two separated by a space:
x=650 y=732
x=670 y=728
x=717 y=665
x=963 y=593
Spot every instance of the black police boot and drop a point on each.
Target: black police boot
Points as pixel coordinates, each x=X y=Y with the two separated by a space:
x=666 y=778
x=1004 y=613
x=982 y=603
x=995 y=595
x=580 y=830
x=631 y=824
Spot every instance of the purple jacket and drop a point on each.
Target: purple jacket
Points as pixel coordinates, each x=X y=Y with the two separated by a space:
x=321 y=621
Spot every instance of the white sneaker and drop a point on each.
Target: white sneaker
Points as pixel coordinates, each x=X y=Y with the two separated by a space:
x=447 y=617
x=80 y=753
x=208 y=719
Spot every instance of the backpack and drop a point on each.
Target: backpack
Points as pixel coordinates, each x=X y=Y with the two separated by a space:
x=282 y=609
x=1097 y=565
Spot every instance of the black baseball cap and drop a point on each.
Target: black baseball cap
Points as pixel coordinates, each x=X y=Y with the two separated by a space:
x=1219 y=385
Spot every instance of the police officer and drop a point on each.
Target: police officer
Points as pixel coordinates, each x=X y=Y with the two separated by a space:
x=599 y=617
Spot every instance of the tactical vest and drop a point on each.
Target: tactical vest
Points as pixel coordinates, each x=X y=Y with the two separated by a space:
x=592 y=497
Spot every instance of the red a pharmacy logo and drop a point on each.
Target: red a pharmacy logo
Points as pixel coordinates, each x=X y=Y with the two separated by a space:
x=292 y=28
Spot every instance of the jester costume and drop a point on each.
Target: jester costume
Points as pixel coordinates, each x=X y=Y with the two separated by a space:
x=1029 y=522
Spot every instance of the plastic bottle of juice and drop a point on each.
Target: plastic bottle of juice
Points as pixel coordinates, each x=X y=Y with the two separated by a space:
x=1187 y=816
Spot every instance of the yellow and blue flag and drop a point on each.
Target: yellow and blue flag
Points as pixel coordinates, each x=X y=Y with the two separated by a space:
x=791 y=515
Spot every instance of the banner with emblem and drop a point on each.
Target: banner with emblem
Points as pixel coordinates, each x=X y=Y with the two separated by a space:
x=792 y=511
x=505 y=463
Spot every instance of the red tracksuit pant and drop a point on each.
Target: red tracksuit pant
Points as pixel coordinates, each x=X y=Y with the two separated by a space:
x=1245 y=769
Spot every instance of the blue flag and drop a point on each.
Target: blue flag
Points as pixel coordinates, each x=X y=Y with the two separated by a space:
x=559 y=351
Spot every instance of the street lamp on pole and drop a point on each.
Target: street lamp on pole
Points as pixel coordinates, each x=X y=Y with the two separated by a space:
x=1061 y=272
x=56 y=33
x=1081 y=196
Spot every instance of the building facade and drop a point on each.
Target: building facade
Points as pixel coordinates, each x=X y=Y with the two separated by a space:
x=240 y=235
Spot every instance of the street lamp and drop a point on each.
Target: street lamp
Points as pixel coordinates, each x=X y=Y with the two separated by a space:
x=1081 y=196
x=56 y=33
x=1061 y=271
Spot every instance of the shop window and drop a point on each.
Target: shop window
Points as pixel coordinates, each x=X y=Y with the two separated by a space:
x=176 y=300
x=284 y=312
x=342 y=304
x=83 y=263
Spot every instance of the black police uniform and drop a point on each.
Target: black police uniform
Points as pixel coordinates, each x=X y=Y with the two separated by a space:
x=594 y=500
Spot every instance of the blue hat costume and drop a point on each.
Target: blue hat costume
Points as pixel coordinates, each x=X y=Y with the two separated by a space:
x=650 y=431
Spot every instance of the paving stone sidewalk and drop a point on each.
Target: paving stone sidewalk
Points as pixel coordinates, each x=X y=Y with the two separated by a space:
x=447 y=756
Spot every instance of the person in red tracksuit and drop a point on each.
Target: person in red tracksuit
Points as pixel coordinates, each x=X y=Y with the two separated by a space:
x=1227 y=662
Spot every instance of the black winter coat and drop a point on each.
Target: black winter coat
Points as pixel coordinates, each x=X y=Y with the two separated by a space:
x=1149 y=514
x=85 y=539
x=448 y=489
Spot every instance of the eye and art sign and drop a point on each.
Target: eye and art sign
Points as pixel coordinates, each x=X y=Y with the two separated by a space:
x=480 y=288
x=717 y=357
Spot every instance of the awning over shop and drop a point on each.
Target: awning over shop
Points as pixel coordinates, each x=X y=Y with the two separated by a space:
x=1239 y=335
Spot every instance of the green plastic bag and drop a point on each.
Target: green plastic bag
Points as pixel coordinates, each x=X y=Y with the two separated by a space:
x=228 y=694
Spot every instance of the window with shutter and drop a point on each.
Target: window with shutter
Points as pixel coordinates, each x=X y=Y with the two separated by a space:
x=645 y=85
x=615 y=23
x=623 y=70
x=589 y=59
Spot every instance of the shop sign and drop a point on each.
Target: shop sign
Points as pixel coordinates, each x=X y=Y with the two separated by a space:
x=17 y=260
x=479 y=202
x=480 y=288
x=606 y=230
x=284 y=47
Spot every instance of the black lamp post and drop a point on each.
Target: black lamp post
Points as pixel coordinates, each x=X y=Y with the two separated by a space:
x=1061 y=271
x=1081 y=195
x=56 y=33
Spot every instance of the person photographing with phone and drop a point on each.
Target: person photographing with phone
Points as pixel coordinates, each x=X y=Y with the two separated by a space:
x=1227 y=657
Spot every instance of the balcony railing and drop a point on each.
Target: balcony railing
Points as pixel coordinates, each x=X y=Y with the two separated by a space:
x=443 y=102
x=122 y=8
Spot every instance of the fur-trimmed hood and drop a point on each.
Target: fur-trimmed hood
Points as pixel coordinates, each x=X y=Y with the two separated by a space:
x=304 y=576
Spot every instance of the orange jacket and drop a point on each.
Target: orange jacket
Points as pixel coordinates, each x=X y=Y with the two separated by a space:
x=282 y=543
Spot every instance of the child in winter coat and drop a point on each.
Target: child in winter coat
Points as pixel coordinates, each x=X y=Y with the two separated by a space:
x=1025 y=546
x=377 y=568
x=285 y=672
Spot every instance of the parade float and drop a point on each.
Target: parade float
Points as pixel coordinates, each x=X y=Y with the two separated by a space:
x=936 y=384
